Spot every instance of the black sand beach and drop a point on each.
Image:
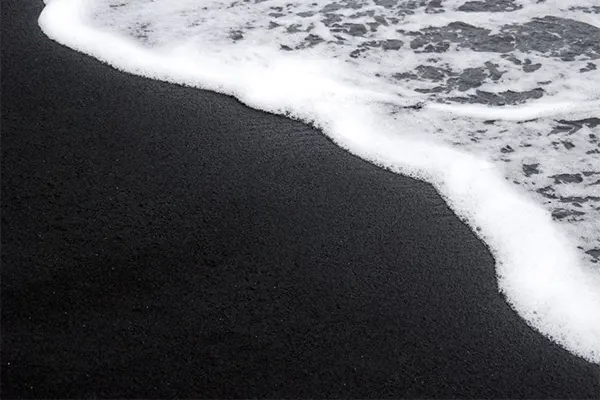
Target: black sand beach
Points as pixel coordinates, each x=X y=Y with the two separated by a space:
x=161 y=241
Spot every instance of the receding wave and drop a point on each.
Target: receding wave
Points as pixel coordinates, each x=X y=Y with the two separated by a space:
x=496 y=103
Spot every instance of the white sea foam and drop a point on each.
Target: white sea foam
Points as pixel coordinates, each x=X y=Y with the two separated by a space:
x=362 y=72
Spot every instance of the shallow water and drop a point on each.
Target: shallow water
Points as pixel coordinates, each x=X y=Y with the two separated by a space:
x=465 y=94
x=494 y=53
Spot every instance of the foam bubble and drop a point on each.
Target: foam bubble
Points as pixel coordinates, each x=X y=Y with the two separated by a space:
x=495 y=104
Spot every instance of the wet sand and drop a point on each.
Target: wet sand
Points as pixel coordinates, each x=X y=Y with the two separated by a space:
x=161 y=241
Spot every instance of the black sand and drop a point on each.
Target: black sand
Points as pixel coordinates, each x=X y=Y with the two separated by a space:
x=160 y=241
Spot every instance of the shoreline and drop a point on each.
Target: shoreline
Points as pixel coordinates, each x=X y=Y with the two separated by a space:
x=167 y=241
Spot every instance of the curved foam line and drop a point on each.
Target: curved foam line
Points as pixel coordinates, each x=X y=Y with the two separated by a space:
x=541 y=277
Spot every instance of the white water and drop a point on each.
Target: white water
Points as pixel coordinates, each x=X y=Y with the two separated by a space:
x=357 y=93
